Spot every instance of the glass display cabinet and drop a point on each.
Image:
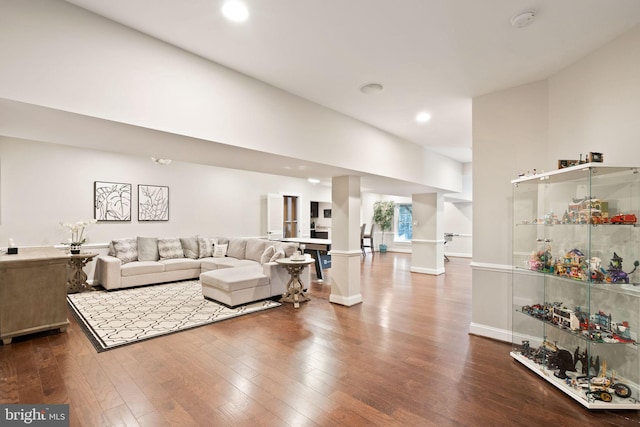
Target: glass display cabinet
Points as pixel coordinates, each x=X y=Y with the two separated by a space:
x=576 y=282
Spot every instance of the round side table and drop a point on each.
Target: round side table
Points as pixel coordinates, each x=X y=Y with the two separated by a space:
x=295 y=288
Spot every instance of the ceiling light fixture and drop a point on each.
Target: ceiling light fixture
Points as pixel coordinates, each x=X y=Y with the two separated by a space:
x=423 y=117
x=371 y=88
x=235 y=11
x=161 y=161
x=313 y=180
x=523 y=19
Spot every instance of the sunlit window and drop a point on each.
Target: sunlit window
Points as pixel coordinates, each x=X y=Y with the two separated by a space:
x=404 y=229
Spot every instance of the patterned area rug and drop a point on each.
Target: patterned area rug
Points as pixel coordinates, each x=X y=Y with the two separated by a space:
x=117 y=318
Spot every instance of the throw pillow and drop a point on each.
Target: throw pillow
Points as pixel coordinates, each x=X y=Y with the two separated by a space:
x=170 y=248
x=190 y=247
x=220 y=251
x=277 y=255
x=267 y=254
x=237 y=248
x=126 y=250
x=148 y=249
x=205 y=247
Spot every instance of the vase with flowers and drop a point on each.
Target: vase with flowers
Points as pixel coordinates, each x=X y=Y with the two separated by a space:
x=77 y=238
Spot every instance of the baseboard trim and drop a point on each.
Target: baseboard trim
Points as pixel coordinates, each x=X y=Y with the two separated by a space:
x=458 y=254
x=431 y=271
x=490 y=332
x=346 y=301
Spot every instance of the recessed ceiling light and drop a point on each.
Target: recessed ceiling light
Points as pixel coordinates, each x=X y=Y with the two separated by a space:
x=372 y=88
x=523 y=19
x=313 y=180
x=423 y=117
x=235 y=11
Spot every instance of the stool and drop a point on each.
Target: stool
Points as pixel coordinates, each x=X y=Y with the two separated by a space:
x=235 y=286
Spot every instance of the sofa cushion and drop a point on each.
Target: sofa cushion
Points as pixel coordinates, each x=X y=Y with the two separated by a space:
x=287 y=248
x=205 y=247
x=234 y=279
x=237 y=248
x=277 y=255
x=190 y=247
x=126 y=250
x=141 y=267
x=226 y=262
x=170 y=248
x=147 y=249
x=180 y=264
x=220 y=250
x=267 y=254
x=254 y=249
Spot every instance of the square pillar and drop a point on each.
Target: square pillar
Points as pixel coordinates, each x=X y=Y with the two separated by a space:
x=345 y=241
x=428 y=234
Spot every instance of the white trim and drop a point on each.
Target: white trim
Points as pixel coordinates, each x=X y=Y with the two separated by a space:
x=426 y=241
x=346 y=301
x=432 y=271
x=459 y=254
x=399 y=250
x=499 y=268
x=345 y=254
x=490 y=332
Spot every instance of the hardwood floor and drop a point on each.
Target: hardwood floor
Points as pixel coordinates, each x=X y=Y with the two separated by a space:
x=402 y=358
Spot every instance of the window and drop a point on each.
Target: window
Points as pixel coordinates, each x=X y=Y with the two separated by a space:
x=405 y=223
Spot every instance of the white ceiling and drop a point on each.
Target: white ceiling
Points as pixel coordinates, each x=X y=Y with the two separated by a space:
x=432 y=55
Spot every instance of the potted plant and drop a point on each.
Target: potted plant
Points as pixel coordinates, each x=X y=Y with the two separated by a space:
x=383 y=216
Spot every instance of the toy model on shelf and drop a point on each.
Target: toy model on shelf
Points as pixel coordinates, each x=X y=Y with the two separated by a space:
x=576 y=305
x=575 y=265
x=590 y=381
x=585 y=211
x=596 y=327
x=615 y=270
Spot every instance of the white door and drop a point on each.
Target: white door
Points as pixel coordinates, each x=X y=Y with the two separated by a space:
x=274 y=216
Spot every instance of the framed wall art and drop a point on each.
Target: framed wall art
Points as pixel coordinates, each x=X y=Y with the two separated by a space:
x=153 y=203
x=112 y=201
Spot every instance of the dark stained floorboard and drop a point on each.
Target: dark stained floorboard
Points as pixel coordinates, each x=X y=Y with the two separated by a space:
x=402 y=358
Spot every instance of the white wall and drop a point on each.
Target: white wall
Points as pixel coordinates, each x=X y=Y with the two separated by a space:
x=458 y=219
x=594 y=105
x=590 y=106
x=62 y=57
x=509 y=136
x=43 y=184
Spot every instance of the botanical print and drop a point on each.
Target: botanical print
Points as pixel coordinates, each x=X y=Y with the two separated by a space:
x=153 y=203
x=112 y=201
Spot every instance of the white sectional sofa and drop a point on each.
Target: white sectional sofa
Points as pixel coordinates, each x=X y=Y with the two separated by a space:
x=144 y=261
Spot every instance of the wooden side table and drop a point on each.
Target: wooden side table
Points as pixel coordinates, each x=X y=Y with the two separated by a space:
x=76 y=277
x=295 y=288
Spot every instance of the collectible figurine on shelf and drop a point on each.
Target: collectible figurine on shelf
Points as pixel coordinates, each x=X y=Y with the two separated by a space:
x=572 y=265
x=586 y=361
x=602 y=387
x=541 y=260
x=616 y=274
x=596 y=270
x=624 y=219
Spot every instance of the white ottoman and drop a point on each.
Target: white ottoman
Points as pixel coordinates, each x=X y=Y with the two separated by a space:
x=235 y=286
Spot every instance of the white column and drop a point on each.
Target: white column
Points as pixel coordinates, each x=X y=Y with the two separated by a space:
x=345 y=241
x=428 y=234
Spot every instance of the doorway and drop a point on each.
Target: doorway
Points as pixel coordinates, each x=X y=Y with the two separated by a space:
x=290 y=216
